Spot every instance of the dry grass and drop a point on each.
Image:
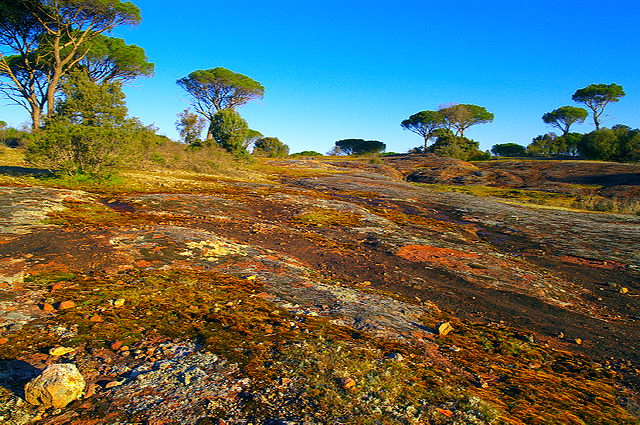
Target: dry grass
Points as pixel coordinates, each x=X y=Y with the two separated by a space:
x=549 y=199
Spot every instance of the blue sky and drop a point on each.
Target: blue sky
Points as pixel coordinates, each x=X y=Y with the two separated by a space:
x=355 y=69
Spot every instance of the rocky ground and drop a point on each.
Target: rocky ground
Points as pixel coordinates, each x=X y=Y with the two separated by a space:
x=315 y=297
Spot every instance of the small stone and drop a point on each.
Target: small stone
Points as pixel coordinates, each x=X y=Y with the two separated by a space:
x=446 y=412
x=395 y=356
x=348 y=383
x=113 y=384
x=119 y=302
x=444 y=328
x=57 y=386
x=48 y=307
x=624 y=290
x=60 y=351
x=578 y=341
x=64 y=305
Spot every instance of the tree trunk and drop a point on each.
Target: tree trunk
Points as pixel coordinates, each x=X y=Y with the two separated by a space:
x=51 y=91
x=35 y=118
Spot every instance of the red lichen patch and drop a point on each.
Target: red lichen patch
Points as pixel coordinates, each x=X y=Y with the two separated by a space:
x=602 y=264
x=442 y=256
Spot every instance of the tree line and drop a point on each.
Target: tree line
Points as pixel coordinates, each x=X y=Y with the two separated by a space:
x=618 y=143
x=59 y=63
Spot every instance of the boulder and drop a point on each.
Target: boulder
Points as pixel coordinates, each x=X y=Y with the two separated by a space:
x=57 y=386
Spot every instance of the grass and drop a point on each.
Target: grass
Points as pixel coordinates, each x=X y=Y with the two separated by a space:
x=550 y=199
x=321 y=217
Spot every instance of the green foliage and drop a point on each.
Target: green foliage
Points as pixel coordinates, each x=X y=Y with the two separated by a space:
x=90 y=132
x=551 y=145
x=11 y=137
x=216 y=89
x=229 y=130
x=600 y=144
x=252 y=137
x=448 y=144
x=563 y=118
x=460 y=117
x=620 y=143
x=271 y=147
x=307 y=153
x=88 y=103
x=424 y=123
x=190 y=126
x=45 y=39
x=111 y=59
x=360 y=146
x=597 y=96
x=508 y=149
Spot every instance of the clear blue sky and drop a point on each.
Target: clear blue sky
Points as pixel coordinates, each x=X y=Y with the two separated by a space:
x=336 y=69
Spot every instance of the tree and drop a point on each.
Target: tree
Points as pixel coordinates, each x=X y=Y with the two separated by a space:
x=89 y=132
x=563 y=118
x=190 y=126
x=48 y=38
x=23 y=77
x=252 y=137
x=597 y=96
x=508 y=149
x=111 y=59
x=307 y=153
x=424 y=123
x=462 y=116
x=546 y=144
x=600 y=144
x=360 y=146
x=217 y=89
x=229 y=130
x=448 y=144
x=271 y=147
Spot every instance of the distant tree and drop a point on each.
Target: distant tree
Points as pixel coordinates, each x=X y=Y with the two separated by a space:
x=449 y=145
x=217 y=89
x=460 y=117
x=109 y=59
x=360 y=146
x=563 y=118
x=600 y=144
x=229 y=130
x=546 y=144
x=271 y=147
x=508 y=149
x=190 y=126
x=307 y=153
x=47 y=39
x=597 y=96
x=424 y=123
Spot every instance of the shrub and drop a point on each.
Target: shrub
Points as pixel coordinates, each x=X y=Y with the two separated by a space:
x=271 y=147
